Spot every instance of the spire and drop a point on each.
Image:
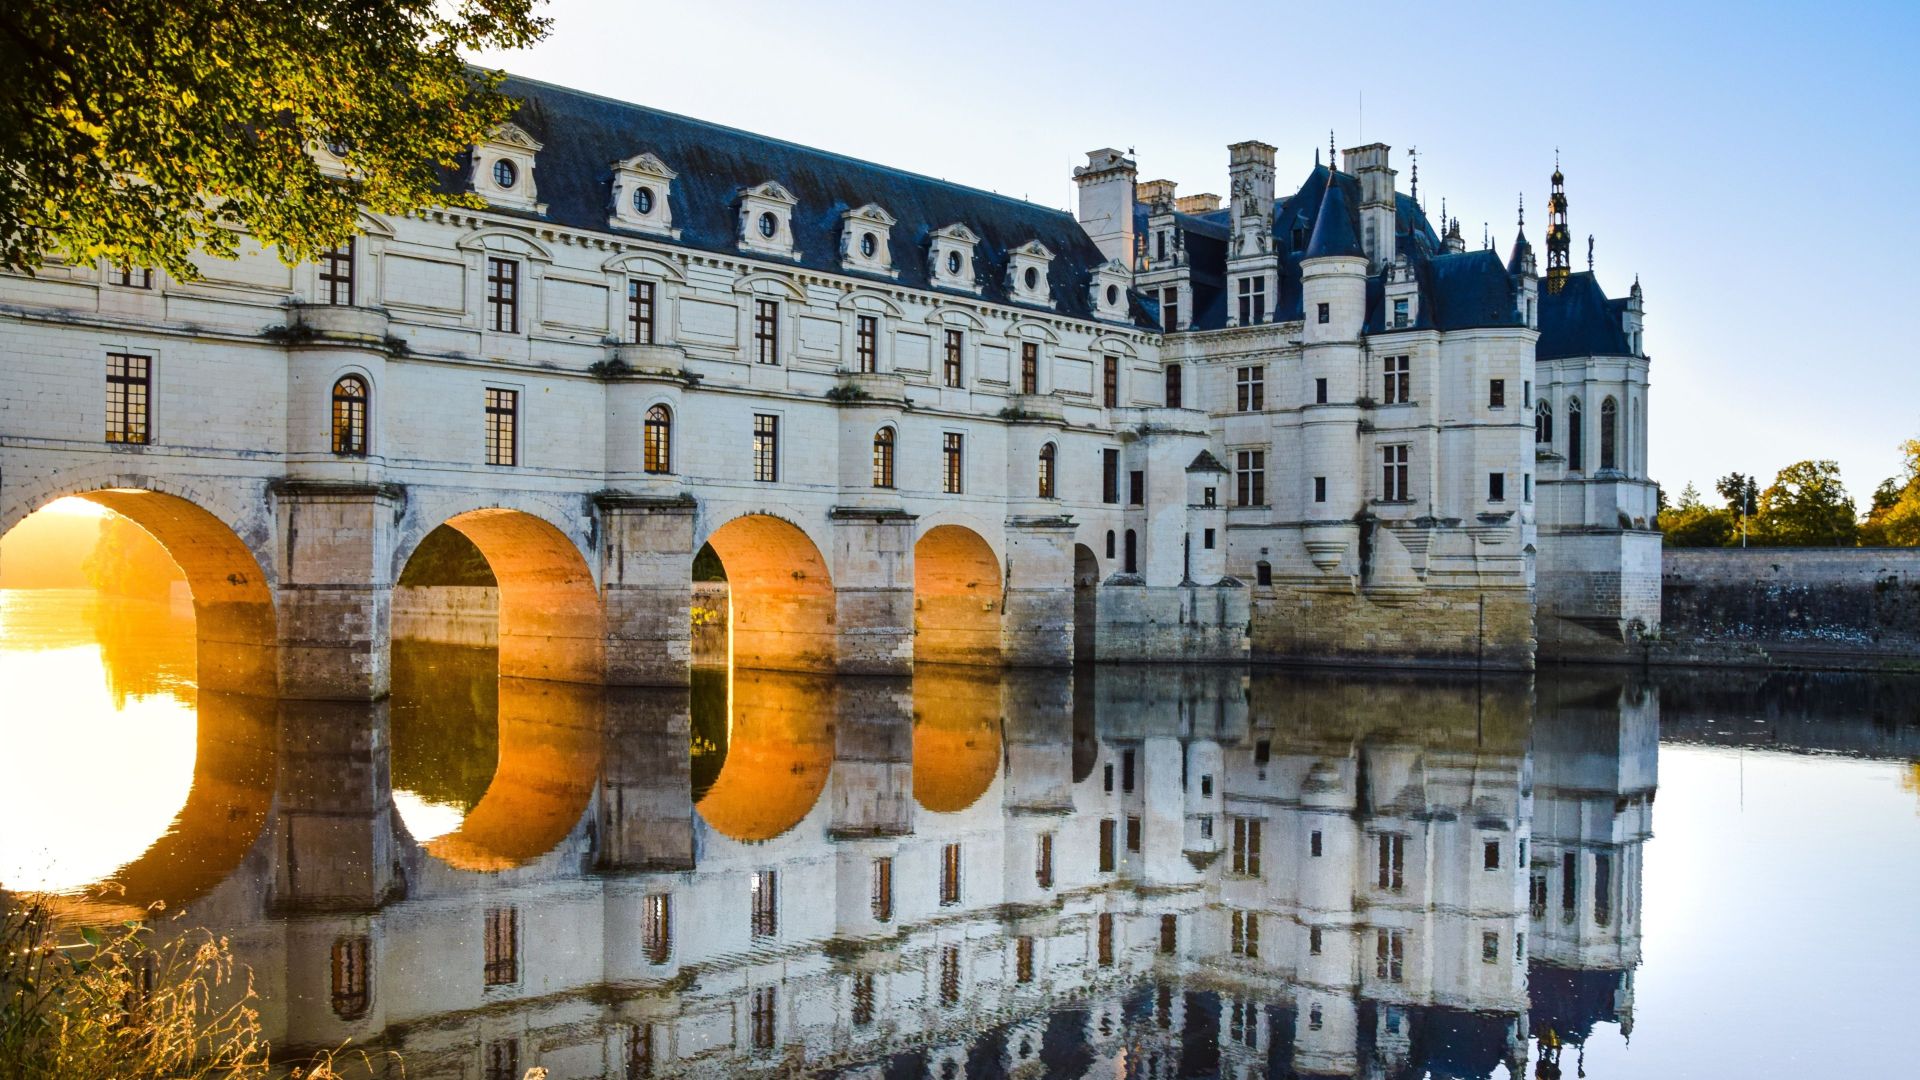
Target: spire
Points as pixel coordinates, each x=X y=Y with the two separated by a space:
x=1486 y=237
x=1589 y=253
x=1413 y=190
x=1523 y=211
x=1333 y=233
x=1333 y=157
x=1559 y=263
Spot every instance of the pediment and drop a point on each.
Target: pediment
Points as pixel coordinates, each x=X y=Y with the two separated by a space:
x=956 y=232
x=515 y=136
x=874 y=213
x=1036 y=249
x=649 y=164
x=771 y=191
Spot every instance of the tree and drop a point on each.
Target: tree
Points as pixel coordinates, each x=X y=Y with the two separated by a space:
x=1894 y=520
x=1805 y=506
x=142 y=131
x=1692 y=523
x=1743 y=497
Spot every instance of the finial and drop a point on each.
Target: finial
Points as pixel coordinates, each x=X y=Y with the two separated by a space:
x=1486 y=236
x=1414 y=153
x=1443 y=213
x=1589 y=253
x=1333 y=157
x=1523 y=209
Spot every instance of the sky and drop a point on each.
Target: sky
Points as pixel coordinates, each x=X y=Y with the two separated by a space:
x=1748 y=161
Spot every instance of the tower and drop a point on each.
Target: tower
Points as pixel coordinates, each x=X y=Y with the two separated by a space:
x=1558 y=240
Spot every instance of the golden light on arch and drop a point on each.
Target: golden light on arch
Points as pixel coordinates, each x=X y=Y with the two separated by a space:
x=778 y=755
x=956 y=736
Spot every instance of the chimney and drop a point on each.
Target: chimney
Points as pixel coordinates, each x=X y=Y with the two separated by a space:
x=1250 y=173
x=1156 y=192
x=1377 y=211
x=1205 y=203
x=1106 y=202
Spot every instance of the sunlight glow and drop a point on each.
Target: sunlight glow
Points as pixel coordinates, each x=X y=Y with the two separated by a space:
x=75 y=506
x=425 y=819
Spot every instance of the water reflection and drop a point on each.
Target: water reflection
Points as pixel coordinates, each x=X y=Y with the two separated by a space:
x=1129 y=872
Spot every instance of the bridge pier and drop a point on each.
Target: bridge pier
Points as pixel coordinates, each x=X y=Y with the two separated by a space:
x=646 y=591
x=873 y=591
x=334 y=820
x=335 y=588
x=646 y=795
x=1038 y=624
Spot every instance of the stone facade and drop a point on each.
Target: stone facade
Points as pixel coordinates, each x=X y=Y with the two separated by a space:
x=1790 y=607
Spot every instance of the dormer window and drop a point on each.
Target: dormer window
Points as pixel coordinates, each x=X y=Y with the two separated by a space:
x=953 y=262
x=503 y=171
x=865 y=236
x=1031 y=279
x=1028 y=274
x=766 y=216
x=950 y=258
x=504 y=174
x=1108 y=291
x=868 y=245
x=643 y=200
x=642 y=185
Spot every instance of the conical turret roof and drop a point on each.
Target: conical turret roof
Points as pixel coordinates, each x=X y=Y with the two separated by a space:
x=1333 y=233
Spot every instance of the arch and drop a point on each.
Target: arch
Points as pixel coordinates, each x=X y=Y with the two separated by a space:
x=1086 y=601
x=956 y=736
x=1543 y=422
x=550 y=624
x=352 y=409
x=956 y=597
x=1576 y=451
x=1047 y=477
x=885 y=450
x=867 y=301
x=371 y=225
x=1110 y=344
x=765 y=282
x=948 y=315
x=657 y=456
x=1028 y=328
x=501 y=238
x=781 y=595
x=1609 y=434
x=777 y=751
x=644 y=264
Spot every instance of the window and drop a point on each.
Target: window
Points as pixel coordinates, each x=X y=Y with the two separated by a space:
x=769 y=224
x=1496 y=487
x=863 y=999
x=1043 y=862
x=1170 y=310
x=1206 y=785
x=1105 y=934
x=1520 y=948
x=640 y=312
x=1244 y=938
x=1496 y=393
x=1576 y=456
x=639 y=1051
x=643 y=200
x=952 y=455
x=1319 y=391
x=129 y=397
x=1023 y=958
x=1399 y=380
x=1324 y=314
x=1543 y=424
x=766 y=448
x=1110 y=550
x=1490 y=855
x=1390 y=955
x=1263 y=573
x=1206 y=539
x=1602 y=889
x=1489 y=947
x=1319 y=489
x=1393 y=862
x=350 y=416
x=956 y=341
x=336 y=275
x=1250 y=477
x=502 y=946
x=1537 y=896
x=503 y=1055
x=658 y=449
x=949 y=875
x=504 y=174
x=1315 y=1018
x=351 y=991
x=766 y=331
x=1133 y=833
x=1246 y=846
x=1609 y=422
x=1131 y=562
x=1169 y=934
x=1110 y=382
x=134 y=277
x=1243 y=1024
x=765 y=901
x=1107 y=835
x=1046 y=471
x=1253 y=300
x=1569 y=875
x=1526 y=486
x=1109 y=484
x=1206 y=827
x=656 y=928
x=882 y=898
x=1029 y=367
x=1400 y=314
x=1136 y=488
x=1393 y=473
x=950 y=975
x=503 y=296
x=1173 y=386
x=1314 y=846
x=883 y=458
x=1314 y=940
x=1250 y=389
x=503 y=422
x=866 y=343
x=763 y=1004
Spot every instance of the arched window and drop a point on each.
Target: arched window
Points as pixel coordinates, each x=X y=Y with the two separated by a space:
x=883 y=458
x=1133 y=552
x=1543 y=423
x=1609 y=423
x=1575 y=459
x=1046 y=471
x=1110 y=543
x=350 y=416
x=659 y=441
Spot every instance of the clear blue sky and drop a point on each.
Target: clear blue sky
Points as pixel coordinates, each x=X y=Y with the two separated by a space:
x=1753 y=163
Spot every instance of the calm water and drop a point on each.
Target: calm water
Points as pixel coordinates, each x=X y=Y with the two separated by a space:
x=1132 y=872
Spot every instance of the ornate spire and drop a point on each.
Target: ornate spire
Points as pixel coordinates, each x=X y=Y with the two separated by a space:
x=1333 y=157
x=1414 y=189
x=1559 y=264
x=1589 y=253
x=1523 y=211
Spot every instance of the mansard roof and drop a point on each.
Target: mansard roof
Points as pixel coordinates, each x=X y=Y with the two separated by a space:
x=1580 y=320
x=584 y=135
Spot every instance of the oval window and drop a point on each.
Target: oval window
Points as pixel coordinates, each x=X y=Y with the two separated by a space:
x=1113 y=295
x=1033 y=278
x=504 y=174
x=769 y=225
x=868 y=245
x=953 y=262
x=643 y=200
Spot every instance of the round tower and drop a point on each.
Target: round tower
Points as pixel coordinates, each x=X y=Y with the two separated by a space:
x=1333 y=272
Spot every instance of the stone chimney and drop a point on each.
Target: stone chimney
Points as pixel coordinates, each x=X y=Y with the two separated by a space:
x=1250 y=172
x=1155 y=192
x=1369 y=164
x=1106 y=202
x=1205 y=203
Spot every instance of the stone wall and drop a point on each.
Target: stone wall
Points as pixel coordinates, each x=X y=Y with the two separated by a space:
x=447 y=614
x=1437 y=628
x=1790 y=607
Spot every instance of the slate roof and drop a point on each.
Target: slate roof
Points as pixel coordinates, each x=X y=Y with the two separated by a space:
x=583 y=135
x=1580 y=320
x=1334 y=233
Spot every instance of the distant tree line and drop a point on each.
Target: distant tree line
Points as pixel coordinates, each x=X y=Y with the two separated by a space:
x=1807 y=505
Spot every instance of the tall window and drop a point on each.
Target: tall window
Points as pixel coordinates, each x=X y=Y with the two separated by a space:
x=1023 y=958
x=503 y=422
x=1576 y=453
x=1489 y=947
x=503 y=296
x=1393 y=862
x=1110 y=382
x=950 y=875
x=1046 y=471
x=1602 y=889
x=1108 y=834
x=1323 y=313
x=1390 y=955
x=1543 y=424
x=134 y=277
x=350 y=416
x=1029 y=367
x=866 y=342
x=1609 y=424
x=1109 y=480
x=1253 y=300
x=1496 y=393
x=640 y=321
x=863 y=999
x=1497 y=487
x=1399 y=380
x=956 y=342
x=1131 y=562
x=502 y=946
x=1250 y=389
x=1400 y=321
x=950 y=975
x=1105 y=943
x=766 y=448
x=1393 y=473
x=764 y=1004
x=883 y=458
x=1569 y=882
x=952 y=451
x=336 y=274
x=352 y=992
x=656 y=928
x=1246 y=846
x=639 y=1051
x=129 y=397
x=1170 y=310
x=882 y=898
x=1169 y=933
x=1174 y=389
x=1133 y=833
x=765 y=889
x=1490 y=855
x=1043 y=862
x=1319 y=391
x=659 y=440
x=502 y=1060
x=766 y=331
x=1250 y=477
x=1244 y=939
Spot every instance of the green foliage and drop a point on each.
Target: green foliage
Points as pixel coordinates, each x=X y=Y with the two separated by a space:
x=1894 y=520
x=847 y=392
x=1805 y=506
x=1696 y=526
x=445 y=721
x=127 y=561
x=144 y=130
x=707 y=565
x=447 y=557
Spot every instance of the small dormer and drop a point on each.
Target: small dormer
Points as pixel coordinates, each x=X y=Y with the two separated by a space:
x=503 y=169
x=766 y=220
x=1108 y=290
x=950 y=258
x=642 y=190
x=1027 y=269
x=866 y=240
x=1402 y=296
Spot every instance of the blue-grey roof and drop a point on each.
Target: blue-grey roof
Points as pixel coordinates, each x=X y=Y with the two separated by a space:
x=1580 y=320
x=583 y=135
x=1333 y=228
x=1522 y=253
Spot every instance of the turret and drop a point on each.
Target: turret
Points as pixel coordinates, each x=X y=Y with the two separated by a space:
x=1558 y=240
x=1633 y=320
x=1377 y=211
x=1106 y=202
x=1524 y=272
x=1333 y=272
